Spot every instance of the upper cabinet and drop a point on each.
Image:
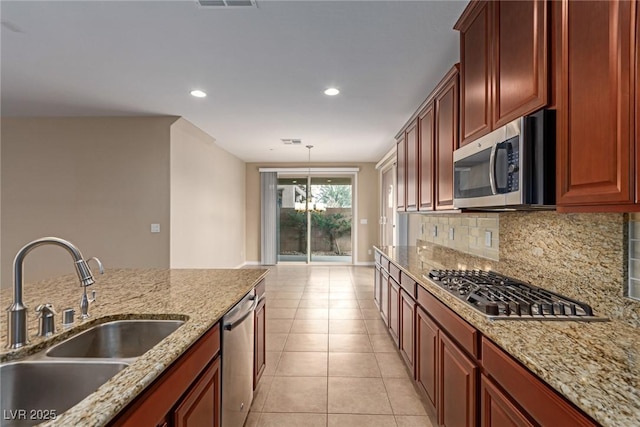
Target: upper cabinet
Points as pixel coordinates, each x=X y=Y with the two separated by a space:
x=425 y=150
x=503 y=63
x=597 y=143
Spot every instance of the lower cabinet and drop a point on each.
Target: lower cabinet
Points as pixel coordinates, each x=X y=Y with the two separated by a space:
x=187 y=394
x=426 y=354
x=407 y=321
x=384 y=297
x=394 y=310
x=377 y=281
x=201 y=405
x=260 y=355
x=497 y=410
x=457 y=385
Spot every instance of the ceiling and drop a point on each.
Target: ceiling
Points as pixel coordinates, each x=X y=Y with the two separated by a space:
x=264 y=68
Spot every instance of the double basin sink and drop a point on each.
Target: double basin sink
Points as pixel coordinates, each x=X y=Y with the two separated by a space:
x=48 y=383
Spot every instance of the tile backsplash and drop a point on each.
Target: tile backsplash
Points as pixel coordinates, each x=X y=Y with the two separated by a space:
x=590 y=257
x=469 y=233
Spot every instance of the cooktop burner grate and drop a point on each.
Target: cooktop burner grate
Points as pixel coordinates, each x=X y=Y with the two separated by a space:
x=501 y=297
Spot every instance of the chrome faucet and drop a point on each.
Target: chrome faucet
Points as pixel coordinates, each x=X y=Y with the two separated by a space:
x=17 y=312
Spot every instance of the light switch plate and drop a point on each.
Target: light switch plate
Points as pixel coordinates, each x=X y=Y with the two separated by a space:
x=155 y=228
x=435 y=231
x=363 y=221
x=487 y=238
x=451 y=233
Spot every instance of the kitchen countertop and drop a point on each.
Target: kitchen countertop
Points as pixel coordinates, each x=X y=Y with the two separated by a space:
x=595 y=365
x=201 y=297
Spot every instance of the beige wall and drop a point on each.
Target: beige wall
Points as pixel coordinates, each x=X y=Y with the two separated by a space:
x=367 y=203
x=207 y=201
x=98 y=182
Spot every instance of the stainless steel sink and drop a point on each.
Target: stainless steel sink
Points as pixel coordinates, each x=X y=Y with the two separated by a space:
x=119 y=339
x=33 y=391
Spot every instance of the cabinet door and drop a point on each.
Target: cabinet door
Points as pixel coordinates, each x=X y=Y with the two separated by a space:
x=496 y=409
x=458 y=382
x=260 y=348
x=520 y=59
x=426 y=354
x=201 y=405
x=384 y=297
x=394 y=310
x=426 y=133
x=475 y=97
x=412 y=167
x=401 y=171
x=377 y=279
x=407 y=338
x=595 y=104
x=446 y=108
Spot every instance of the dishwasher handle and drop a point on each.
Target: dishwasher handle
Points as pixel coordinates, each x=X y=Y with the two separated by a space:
x=231 y=325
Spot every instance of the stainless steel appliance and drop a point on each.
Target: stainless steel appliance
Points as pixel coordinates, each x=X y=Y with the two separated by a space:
x=512 y=167
x=237 y=361
x=501 y=297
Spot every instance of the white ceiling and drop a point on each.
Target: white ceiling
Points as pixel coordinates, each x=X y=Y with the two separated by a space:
x=265 y=68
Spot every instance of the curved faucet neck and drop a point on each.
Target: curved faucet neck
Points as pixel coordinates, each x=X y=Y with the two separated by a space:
x=82 y=270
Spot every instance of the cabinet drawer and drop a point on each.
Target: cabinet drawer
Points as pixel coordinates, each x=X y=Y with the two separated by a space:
x=466 y=335
x=394 y=272
x=384 y=263
x=539 y=400
x=408 y=284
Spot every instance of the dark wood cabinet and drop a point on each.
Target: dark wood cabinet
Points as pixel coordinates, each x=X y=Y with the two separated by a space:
x=201 y=405
x=188 y=393
x=520 y=59
x=384 y=297
x=596 y=154
x=497 y=410
x=475 y=71
x=503 y=63
x=401 y=171
x=467 y=378
x=394 y=310
x=377 y=280
x=260 y=347
x=407 y=322
x=537 y=400
x=458 y=384
x=426 y=354
x=426 y=147
x=446 y=139
x=412 y=167
x=438 y=125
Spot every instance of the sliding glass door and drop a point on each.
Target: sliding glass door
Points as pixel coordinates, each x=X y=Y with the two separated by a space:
x=327 y=206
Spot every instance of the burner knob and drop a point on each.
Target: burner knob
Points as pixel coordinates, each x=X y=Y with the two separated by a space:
x=492 y=309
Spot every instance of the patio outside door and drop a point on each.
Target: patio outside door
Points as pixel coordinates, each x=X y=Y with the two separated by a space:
x=328 y=210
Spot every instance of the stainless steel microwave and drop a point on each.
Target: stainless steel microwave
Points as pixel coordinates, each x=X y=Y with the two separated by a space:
x=512 y=167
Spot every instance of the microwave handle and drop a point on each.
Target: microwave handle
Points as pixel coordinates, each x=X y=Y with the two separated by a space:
x=492 y=168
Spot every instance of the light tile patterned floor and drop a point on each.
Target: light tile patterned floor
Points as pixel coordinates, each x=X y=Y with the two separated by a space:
x=330 y=360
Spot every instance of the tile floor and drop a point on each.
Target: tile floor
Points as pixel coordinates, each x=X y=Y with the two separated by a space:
x=330 y=360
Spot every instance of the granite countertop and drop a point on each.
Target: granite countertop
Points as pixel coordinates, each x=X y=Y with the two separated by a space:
x=595 y=365
x=201 y=297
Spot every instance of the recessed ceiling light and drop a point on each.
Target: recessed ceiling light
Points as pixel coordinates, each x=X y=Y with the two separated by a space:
x=198 y=93
x=332 y=91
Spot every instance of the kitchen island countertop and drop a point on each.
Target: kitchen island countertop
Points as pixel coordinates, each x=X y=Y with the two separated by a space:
x=201 y=297
x=595 y=365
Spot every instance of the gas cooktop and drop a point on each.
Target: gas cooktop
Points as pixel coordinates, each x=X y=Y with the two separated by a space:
x=501 y=297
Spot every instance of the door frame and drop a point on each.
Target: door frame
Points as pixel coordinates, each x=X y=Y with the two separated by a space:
x=325 y=171
x=388 y=164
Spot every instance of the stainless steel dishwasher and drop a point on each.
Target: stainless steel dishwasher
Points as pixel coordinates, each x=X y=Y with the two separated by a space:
x=237 y=361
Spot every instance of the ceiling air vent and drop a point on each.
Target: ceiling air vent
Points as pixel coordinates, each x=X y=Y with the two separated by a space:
x=291 y=141
x=227 y=3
